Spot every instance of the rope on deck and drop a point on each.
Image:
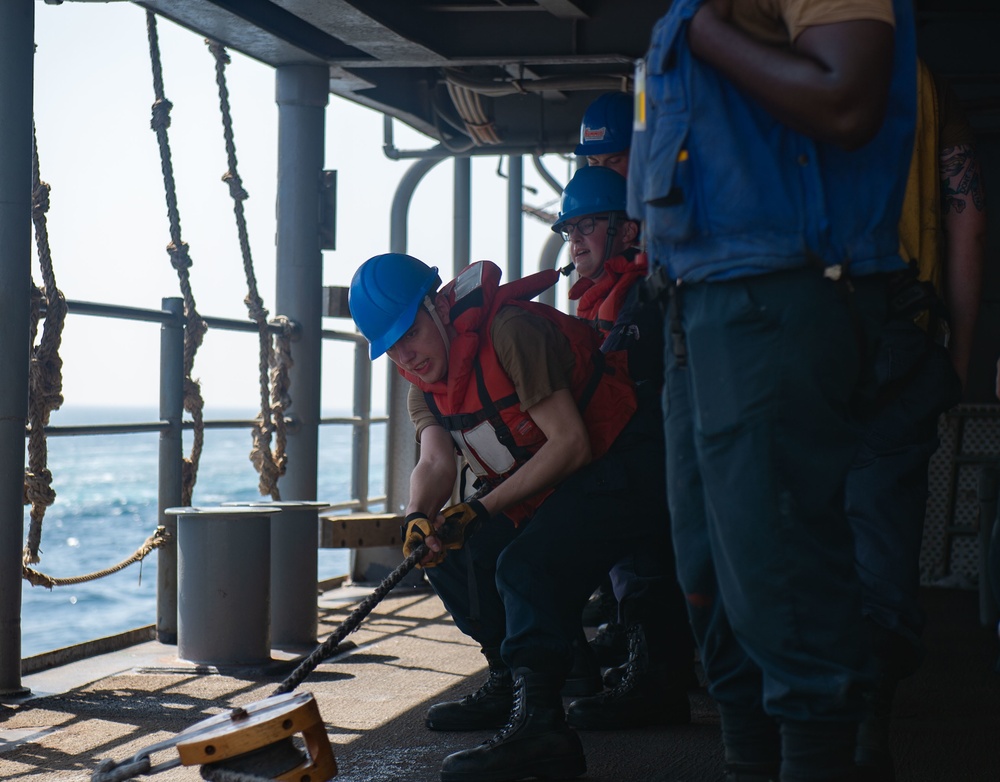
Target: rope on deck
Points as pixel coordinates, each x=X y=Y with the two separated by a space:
x=349 y=625
x=109 y=771
x=159 y=538
x=274 y=362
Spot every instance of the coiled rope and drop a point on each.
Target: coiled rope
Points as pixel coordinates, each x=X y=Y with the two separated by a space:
x=45 y=369
x=195 y=327
x=274 y=360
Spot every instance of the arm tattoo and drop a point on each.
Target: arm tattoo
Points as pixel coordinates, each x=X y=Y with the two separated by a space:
x=961 y=180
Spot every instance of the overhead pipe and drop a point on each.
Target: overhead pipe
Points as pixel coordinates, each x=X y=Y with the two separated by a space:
x=440 y=151
x=493 y=88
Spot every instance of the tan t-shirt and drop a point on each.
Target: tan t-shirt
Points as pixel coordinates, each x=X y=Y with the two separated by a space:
x=534 y=353
x=779 y=22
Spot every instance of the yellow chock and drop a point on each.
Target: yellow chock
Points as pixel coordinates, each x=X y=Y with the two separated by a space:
x=257 y=739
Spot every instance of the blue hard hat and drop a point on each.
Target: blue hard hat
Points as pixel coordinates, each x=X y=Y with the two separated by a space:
x=385 y=295
x=606 y=125
x=592 y=190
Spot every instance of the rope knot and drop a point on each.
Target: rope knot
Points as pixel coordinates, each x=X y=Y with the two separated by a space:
x=258 y=312
x=38 y=488
x=218 y=50
x=179 y=257
x=40 y=198
x=161 y=114
x=236 y=190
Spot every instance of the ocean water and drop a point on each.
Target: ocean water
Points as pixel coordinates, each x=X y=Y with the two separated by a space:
x=106 y=495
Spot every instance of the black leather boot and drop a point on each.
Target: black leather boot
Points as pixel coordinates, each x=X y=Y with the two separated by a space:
x=485 y=709
x=584 y=678
x=602 y=606
x=535 y=742
x=873 y=755
x=647 y=695
x=610 y=644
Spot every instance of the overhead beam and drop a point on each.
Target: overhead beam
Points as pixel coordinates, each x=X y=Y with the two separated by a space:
x=563 y=9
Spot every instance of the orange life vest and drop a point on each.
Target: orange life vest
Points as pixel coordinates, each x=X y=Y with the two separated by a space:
x=477 y=402
x=600 y=302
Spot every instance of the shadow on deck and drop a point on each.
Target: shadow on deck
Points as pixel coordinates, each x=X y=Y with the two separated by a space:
x=409 y=655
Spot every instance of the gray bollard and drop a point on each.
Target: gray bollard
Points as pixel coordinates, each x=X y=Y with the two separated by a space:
x=294 y=580
x=223 y=584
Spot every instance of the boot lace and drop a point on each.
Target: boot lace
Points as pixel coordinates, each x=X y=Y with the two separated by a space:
x=498 y=681
x=638 y=660
x=515 y=720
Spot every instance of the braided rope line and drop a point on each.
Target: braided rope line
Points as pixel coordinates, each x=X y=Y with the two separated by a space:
x=159 y=538
x=349 y=625
x=194 y=331
x=45 y=369
x=270 y=465
x=109 y=771
x=219 y=774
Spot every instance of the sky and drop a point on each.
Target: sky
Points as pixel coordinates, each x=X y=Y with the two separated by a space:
x=108 y=226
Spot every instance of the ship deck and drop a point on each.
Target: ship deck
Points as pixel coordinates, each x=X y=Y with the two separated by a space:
x=408 y=654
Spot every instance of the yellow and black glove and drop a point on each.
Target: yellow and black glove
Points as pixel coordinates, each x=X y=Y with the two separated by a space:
x=416 y=528
x=460 y=521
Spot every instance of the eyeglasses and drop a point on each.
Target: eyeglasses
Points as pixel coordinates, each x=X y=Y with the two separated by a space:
x=584 y=226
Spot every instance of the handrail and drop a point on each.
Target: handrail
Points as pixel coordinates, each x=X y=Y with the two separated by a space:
x=141 y=314
x=140 y=427
x=122 y=312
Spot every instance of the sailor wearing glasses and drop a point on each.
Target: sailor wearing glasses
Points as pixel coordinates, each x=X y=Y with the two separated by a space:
x=652 y=686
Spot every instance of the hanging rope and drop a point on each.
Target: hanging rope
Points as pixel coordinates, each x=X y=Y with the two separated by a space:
x=274 y=363
x=195 y=328
x=154 y=541
x=45 y=369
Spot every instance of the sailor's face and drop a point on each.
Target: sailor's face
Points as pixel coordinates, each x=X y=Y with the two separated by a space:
x=421 y=350
x=587 y=251
x=616 y=161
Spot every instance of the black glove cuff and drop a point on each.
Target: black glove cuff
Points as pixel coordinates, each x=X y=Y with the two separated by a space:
x=480 y=509
x=404 y=529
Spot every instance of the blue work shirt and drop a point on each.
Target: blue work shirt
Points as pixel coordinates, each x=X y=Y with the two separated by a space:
x=725 y=190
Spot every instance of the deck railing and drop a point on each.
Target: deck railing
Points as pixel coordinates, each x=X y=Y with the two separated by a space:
x=172 y=423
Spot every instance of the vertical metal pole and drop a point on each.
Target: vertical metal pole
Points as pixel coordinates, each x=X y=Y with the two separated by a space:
x=463 y=214
x=362 y=430
x=401 y=451
x=515 y=225
x=548 y=259
x=371 y=565
x=17 y=22
x=171 y=465
x=302 y=93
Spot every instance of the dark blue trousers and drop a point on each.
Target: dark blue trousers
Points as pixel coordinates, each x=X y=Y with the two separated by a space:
x=759 y=441
x=887 y=485
x=544 y=572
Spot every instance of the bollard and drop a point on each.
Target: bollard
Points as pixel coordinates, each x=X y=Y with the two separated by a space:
x=223 y=584
x=294 y=580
